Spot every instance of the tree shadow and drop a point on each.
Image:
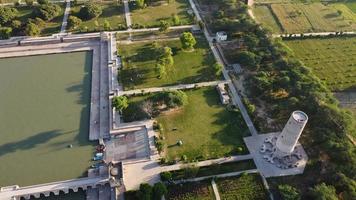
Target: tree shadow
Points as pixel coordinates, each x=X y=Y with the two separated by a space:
x=30 y=142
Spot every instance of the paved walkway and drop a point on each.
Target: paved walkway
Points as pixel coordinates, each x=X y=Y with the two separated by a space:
x=65 y=17
x=127 y=14
x=298 y=35
x=236 y=98
x=170 y=88
x=215 y=189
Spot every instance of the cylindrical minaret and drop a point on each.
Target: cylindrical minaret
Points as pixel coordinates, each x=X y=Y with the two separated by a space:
x=287 y=140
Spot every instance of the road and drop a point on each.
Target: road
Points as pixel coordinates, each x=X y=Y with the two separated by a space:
x=236 y=98
x=314 y=34
x=170 y=88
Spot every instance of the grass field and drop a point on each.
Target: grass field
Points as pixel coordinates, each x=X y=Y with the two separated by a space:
x=48 y=28
x=205 y=127
x=315 y=17
x=112 y=12
x=44 y=108
x=151 y=15
x=351 y=5
x=191 y=191
x=333 y=60
x=139 y=65
x=248 y=186
x=264 y=15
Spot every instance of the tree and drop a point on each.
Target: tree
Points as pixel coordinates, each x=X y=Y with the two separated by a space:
x=16 y=25
x=176 y=99
x=47 y=11
x=288 y=192
x=176 y=19
x=248 y=59
x=218 y=69
x=32 y=30
x=188 y=41
x=74 y=22
x=42 y=2
x=145 y=192
x=161 y=70
x=120 y=103
x=90 y=11
x=7 y=14
x=107 y=26
x=29 y=2
x=166 y=58
x=159 y=190
x=140 y=3
x=166 y=176
x=324 y=192
x=5 y=32
x=163 y=26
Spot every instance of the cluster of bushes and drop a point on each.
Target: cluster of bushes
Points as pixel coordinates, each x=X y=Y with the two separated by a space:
x=154 y=104
x=285 y=84
x=10 y=25
x=147 y=192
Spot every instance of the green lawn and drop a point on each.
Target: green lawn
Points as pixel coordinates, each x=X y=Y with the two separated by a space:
x=206 y=128
x=113 y=12
x=247 y=186
x=264 y=15
x=139 y=65
x=152 y=14
x=48 y=28
x=191 y=191
x=45 y=106
x=333 y=60
x=351 y=5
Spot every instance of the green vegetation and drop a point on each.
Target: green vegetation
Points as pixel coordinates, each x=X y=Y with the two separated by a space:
x=151 y=15
x=247 y=186
x=264 y=15
x=189 y=191
x=112 y=12
x=288 y=192
x=331 y=59
x=215 y=133
x=282 y=84
x=188 y=41
x=315 y=17
x=140 y=64
x=120 y=102
x=351 y=5
x=209 y=170
x=41 y=115
x=147 y=192
x=324 y=192
x=90 y=10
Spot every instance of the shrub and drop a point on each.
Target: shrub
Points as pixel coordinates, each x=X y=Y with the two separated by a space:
x=47 y=11
x=166 y=176
x=90 y=11
x=74 y=22
x=288 y=192
x=218 y=69
x=5 y=32
x=188 y=40
x=42 y=2
x=248 y=59
x=120 y=103
x=163 y=26
x=145 y=192
x=29 y=2
x=7 y=14
x=324 y=192
x=176 y=20
x=32 y=29
x=159 y=190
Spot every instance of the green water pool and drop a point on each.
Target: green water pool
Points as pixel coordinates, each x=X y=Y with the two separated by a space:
x=44 y=107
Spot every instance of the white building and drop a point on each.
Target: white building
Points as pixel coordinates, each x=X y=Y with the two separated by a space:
x=221 y=36
x=224 y=96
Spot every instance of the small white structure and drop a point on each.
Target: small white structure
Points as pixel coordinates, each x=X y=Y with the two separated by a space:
x=224 y=96
x=221 y=36
x=288 y=139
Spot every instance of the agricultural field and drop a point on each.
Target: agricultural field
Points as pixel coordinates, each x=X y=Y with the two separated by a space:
x=152 y=14
x=314 y=17
x=191 y=191
x=333 y=60
x=113 y=12
x=264 y=15
x=246 y=186
x=139 y=64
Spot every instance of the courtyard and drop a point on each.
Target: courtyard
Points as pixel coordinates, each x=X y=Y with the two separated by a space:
x=44 y=105
x=139 y=64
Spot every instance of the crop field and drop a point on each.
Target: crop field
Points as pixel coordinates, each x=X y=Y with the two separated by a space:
x=152 y=14
x=247 y=186
x=45 y=106
x=264 y=15
x=191 y=191
x=301 y=18
x=139 y=64
x=333 y=60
